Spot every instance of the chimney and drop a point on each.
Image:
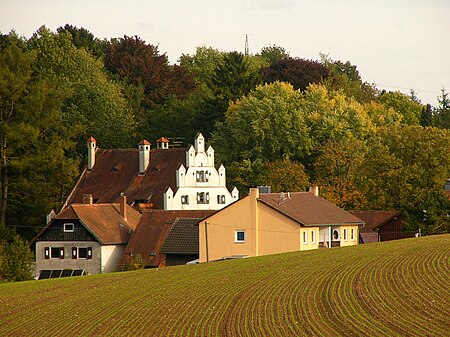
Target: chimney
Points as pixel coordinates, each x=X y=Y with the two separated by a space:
x=92 y=147
x=123 y=206
x=144 y=156
x=162 y=143
x=254 y=193
x=88 y=199
x=314 y=190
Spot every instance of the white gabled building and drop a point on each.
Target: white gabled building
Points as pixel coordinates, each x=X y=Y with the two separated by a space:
x=199 y=185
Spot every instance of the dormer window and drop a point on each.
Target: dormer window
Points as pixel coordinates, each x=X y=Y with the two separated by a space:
x=69 y=227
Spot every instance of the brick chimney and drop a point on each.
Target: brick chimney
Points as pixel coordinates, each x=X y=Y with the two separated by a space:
x=92 y=147
x=123 y=206
x=88 y=199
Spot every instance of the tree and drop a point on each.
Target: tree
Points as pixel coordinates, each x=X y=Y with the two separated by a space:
x=345 y=77
x=139 y=63
x=298 y=72
x=273 y=53
x=426 y=117
x=331 y=115
x=82 y=38
x=442 y=111
x=336 y=169
x=94 y=105
x=36 y=171
x=16 y=258
x=403 y=104
x=284 y=175
x=267 y=124
x=405 y=168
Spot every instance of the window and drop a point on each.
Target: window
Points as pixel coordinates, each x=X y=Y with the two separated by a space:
x=220 y=199
x=239 y=235
x=305 y=237
x=54 y=252
x=313 y=236
x=352 y=234
x=68 y=227
x=203 y=198
x=345 y=234
x=336 y=234
x=200 y=177
x=81 y=252
x=185 y=200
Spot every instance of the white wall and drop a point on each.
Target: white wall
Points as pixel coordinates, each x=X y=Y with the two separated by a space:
x=111 y=255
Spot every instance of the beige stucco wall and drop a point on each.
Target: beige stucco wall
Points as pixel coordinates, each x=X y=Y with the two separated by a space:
x=348 y=241
x=221 y=229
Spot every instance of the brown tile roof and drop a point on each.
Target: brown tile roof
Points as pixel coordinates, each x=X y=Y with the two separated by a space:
x=152 y=231
x=309 y=210
x=183 y=237
x=103 y=221
x=117 y=171
x=374 y=219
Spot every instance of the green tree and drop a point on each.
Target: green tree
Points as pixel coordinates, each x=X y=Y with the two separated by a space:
x=345 y=77
x=442 y=111
x=426 y=116
x=267 y=124
x=273 y=53
x=403 y=104
x=36 y=170
x=284 y=176
x=94 y=105
x=411 y=165
x=16 y=258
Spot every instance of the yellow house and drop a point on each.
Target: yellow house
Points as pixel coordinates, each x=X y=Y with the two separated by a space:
x=262 y=224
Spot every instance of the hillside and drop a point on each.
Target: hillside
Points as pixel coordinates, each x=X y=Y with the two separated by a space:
x=398 y=288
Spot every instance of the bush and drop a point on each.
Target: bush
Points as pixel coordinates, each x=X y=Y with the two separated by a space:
x=16 y=258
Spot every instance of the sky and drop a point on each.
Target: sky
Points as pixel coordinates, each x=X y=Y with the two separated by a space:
x=396 y=44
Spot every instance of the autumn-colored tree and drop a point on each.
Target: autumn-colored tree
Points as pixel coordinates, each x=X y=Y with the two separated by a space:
x=284 y=176
x=298 y=72
x=336 y=171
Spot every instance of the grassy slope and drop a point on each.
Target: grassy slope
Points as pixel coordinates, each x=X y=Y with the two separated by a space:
x=399 y=288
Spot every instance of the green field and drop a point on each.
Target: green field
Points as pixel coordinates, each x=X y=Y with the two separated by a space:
x=398 y=288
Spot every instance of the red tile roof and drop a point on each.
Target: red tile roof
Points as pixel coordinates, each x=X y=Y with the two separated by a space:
x=374 y=219
x=151 y=233
x=145 y=142
x=103 y=221
x=117 y=170
x=308 y=210
x=162 y=140
x=91 y=140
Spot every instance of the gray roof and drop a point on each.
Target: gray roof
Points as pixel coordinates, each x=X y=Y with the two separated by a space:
x=183 y=237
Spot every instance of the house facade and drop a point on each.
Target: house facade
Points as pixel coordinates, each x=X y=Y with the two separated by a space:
x=90 y=237
x=381 y=226
x=162 y=178
x=262 y=224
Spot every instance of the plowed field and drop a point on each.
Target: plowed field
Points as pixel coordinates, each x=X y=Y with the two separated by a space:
x=399 y=288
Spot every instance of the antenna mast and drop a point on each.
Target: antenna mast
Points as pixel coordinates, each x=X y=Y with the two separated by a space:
x=246 y=45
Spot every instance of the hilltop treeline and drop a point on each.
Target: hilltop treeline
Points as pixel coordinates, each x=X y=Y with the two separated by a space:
x=273 y=119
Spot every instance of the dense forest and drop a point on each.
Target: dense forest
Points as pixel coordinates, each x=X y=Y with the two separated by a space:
x=273 y=119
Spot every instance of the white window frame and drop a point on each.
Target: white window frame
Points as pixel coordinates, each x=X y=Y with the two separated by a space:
x=60 y=251
x=345 y=234
x=236 y=236
x=313 y=236
x=185 y=199
x=305 y=237
x=352 y=234
x=68 y=224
